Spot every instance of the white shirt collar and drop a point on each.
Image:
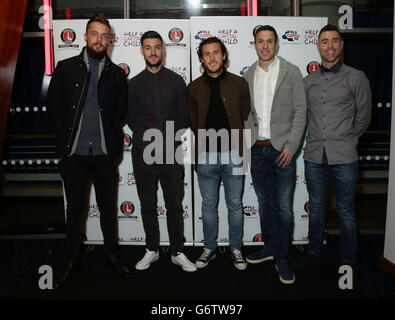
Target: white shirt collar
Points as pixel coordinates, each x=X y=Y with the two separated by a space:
x=274 y=64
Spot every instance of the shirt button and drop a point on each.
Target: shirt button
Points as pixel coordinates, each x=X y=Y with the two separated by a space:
x=76 y=84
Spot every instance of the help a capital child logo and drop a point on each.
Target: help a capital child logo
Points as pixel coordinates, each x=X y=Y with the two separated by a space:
x=176 y=35
x=311 y=36
x=180 y=70
x=131 y=38
x=228 y=36
x=68 y=37
x=93 y=211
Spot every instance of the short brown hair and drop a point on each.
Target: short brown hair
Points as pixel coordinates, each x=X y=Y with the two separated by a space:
x=100 y=19
x=213 y=40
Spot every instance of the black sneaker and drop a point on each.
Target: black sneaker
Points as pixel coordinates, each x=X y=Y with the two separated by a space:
x=238 y=260
x=205 y=258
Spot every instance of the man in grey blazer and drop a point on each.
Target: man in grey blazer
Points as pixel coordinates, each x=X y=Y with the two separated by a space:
x=277 y=121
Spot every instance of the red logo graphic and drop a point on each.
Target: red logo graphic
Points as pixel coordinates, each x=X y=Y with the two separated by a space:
x=125 y=68
x=176 y=35
x=307 y=207
x=127 y=208
x=257 y=238
x=127 y=141
x=312 y=66
x=68 y=36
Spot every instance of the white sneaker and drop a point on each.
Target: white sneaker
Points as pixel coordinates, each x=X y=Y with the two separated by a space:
x=181 y=260
x=149 y=257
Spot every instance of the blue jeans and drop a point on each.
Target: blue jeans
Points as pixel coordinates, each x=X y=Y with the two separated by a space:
x=344 y=177
x=274 y=187
x=209 y=177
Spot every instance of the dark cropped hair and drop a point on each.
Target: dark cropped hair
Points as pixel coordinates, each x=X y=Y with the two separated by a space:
x=213 y=40
x=264 y=28
x=150 y=35
x=100 y=19
x=330 y=27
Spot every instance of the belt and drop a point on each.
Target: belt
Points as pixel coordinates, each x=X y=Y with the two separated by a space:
x=265 y=143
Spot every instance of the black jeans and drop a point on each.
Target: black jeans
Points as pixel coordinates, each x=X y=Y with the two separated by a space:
x=76 y=171
x=171 y=178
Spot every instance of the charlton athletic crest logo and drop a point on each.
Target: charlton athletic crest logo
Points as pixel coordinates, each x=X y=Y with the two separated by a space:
x=125 y=68
x=312 y=66
x=68 y=36
x=127 y=208
x=176 y=35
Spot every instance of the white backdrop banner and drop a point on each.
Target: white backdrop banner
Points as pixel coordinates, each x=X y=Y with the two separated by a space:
x=124 y=50
x=298 y=37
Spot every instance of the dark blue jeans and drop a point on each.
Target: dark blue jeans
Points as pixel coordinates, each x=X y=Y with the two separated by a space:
x=274 y=187
x=344 y=178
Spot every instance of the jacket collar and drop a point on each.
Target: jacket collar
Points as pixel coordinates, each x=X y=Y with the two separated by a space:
x=223 y=75
x=84 y=58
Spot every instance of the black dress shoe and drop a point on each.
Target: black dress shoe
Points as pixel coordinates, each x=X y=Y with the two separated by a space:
x=71 y=267
x=112 y=261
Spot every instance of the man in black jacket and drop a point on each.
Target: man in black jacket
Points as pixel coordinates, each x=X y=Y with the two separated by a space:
x=88 y=97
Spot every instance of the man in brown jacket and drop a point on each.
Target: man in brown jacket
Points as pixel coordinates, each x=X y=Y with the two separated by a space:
x=219 y=103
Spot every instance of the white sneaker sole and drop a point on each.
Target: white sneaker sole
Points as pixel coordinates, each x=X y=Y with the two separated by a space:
x=260 y=260
x=240 y=267
x=146 y=266
x=192 y=268
x=285 y=281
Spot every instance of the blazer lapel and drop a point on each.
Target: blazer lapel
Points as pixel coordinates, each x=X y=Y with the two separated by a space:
x=250 y=79
x=281 y=75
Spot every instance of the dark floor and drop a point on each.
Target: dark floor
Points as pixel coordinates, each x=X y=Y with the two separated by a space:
x=164 y=281
x=21 y=260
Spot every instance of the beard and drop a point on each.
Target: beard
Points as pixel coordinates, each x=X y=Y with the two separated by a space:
x=153 y=65
x=96 y=54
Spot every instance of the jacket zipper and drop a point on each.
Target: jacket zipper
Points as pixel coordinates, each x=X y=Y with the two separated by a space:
x=76 y=113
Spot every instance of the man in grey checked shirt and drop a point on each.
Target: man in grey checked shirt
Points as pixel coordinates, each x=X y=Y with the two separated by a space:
x=339 y=111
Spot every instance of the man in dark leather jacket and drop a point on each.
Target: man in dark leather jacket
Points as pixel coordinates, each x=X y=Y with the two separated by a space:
x=88 y=98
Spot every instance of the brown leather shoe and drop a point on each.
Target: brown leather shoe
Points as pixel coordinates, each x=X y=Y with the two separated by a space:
x=71 y=268
x=112 y=261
